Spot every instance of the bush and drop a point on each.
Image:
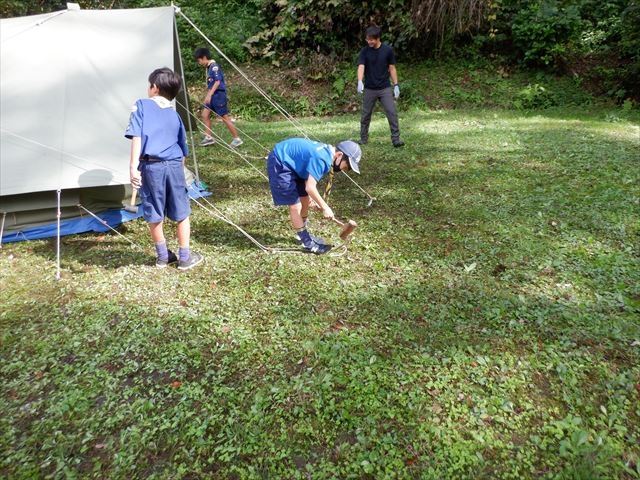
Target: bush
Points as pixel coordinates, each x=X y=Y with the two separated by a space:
x=543 y=30
x=313 y=26
x=534 y=96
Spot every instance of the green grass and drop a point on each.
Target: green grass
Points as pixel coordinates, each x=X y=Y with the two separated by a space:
x=484 y=323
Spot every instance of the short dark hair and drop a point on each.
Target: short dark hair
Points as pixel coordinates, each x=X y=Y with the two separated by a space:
x=202 y=52
x=167 y=81
x=374 y=31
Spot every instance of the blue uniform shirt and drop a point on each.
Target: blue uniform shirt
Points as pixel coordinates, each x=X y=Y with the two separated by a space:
x=214 y=74
x=305 y=157
x=160 y=129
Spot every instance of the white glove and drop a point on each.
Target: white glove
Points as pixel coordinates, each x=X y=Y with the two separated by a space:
x=360 y=86
x=396 y=91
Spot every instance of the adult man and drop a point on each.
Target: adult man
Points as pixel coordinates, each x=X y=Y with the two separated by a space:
x=376 y=63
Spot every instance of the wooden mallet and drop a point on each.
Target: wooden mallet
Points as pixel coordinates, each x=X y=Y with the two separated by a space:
x=347 y=228
x=132 y=207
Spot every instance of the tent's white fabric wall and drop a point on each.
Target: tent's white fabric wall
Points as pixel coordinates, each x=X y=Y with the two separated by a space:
x=67 y=84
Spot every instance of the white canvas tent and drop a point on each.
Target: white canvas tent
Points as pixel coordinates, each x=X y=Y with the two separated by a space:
x=67 y=84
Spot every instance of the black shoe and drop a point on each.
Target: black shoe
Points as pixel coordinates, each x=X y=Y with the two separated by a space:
x=362 y=142
x=163 y=263
x=193 y=260
x=398 y=143
x=317 y=248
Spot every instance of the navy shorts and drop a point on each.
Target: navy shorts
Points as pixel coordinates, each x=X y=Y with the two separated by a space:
x=286 y=186
x=164 y=191
x=218 y=103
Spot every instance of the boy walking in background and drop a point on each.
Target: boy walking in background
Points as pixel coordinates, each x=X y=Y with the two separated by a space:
x=156 y=166
x=216 y=98
x=295 y=166
x=376 y=63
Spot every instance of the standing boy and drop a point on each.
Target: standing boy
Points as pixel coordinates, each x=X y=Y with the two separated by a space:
x=156 y=166
x=295 y=166
x=376 y=63
x=215 y=99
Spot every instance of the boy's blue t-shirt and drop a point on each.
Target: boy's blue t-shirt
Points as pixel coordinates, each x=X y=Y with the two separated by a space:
x=160 y=129
x=305 y=157
x=214 y=74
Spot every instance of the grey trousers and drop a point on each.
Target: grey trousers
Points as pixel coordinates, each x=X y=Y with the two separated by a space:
x=369 y=102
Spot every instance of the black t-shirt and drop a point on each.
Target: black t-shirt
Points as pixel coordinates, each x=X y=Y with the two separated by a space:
x=376 y=63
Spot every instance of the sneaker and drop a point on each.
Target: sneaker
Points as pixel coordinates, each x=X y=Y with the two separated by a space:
x=317 y=248
x=398 y=143
x=163 y=263
x=363 y=141
x=206 y=140
x=194 y=259
x=318 y=240
x=236 y=142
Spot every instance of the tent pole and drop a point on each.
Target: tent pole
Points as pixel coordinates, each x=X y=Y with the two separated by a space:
x=58 y=239
x=4 y=215
x=186 y=99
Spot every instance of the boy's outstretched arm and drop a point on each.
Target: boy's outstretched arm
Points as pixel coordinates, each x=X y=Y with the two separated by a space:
x=312 y=189
x=134 y=158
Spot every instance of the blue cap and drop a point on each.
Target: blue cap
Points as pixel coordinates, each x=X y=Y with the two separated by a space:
x=352 y=150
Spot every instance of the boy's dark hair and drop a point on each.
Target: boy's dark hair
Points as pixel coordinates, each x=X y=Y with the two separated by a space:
x=202 y=52
x=374 y=31
x=167 y=81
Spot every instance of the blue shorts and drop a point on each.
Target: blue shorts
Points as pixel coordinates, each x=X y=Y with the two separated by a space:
x=286 y=186
x=218 y=103
x=164 y=191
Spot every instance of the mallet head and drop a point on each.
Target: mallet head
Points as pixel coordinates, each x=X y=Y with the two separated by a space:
x=348 y=229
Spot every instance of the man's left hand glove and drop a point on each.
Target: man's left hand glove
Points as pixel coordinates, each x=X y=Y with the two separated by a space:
x=396 y=91
x=360 y=86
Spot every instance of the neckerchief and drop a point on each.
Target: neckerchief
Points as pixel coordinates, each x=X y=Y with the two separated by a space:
x=327 y=189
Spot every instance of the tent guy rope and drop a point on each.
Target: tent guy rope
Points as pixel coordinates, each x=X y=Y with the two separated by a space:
x=271 y=101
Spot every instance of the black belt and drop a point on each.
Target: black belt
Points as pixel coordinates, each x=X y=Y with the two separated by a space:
x=147 y=158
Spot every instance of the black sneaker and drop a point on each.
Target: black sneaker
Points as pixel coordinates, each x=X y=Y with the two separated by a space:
x=193 y=260
x=398 y=143
x=317 y=248
x=362 y=142
x=163 y=263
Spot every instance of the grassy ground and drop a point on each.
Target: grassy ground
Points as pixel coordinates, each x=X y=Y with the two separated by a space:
x=484 y=324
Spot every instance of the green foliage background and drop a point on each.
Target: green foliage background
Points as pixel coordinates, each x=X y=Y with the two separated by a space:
x=598 y=41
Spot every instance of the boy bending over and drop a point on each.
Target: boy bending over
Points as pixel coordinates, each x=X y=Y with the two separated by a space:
x=295 y=166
